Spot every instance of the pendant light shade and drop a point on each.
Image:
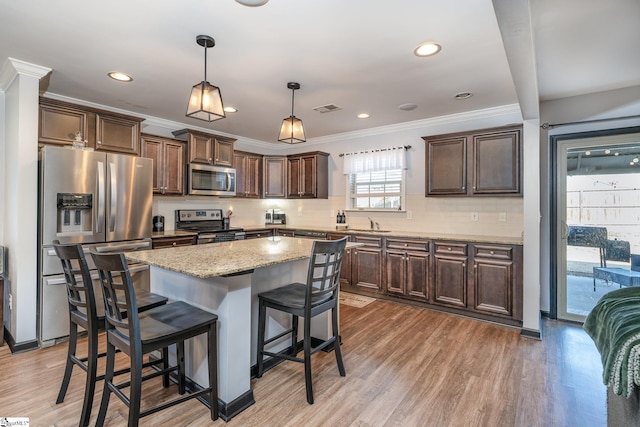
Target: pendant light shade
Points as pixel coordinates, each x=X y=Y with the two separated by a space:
x=292 y=130
x=205 y=102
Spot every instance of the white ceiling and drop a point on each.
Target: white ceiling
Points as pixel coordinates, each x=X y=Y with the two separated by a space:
x=357 y=54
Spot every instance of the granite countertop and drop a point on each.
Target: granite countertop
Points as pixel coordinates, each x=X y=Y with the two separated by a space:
x=506 y=240
x=225 y=258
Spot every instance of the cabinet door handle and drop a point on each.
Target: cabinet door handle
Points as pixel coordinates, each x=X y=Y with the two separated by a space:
x=99 y=142
x=492 y=253
x=406 y=245
x=463 y=264
x=175 y=243
x=209 y=159
x=475 y=265
x=448 y=249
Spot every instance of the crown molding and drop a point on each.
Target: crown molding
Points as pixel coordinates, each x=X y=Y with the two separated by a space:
x=486 y=113
x=259 y=146
x=12 y=68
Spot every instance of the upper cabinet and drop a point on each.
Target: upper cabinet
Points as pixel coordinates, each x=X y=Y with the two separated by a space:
x=308 y=175
x=275 y=177
x=248 y=168
x=168 y=163
x=479 y=163
x=207 y=148
x=60 y=121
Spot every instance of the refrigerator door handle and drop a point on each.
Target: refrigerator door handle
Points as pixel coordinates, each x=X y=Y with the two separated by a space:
x=100 y=190
x=114 y=197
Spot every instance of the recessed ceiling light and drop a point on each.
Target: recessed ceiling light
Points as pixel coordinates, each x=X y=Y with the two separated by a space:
x=363 y=116
x=427 y=49
x=463 y=95
x=587 y=153
x=407 y=107
x=616 y=154
x=121 y=77
x=229 y=109
x=607 y=151
x=253 y=3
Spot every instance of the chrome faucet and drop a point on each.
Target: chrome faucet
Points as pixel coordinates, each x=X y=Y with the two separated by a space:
x=370 y=222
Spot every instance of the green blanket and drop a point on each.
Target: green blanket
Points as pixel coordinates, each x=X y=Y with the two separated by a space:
x=614 y=326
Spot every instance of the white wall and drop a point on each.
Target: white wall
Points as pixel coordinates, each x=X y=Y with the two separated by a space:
x=614 y=105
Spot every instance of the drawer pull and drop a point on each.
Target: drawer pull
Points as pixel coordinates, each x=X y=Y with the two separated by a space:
x=448 y=249
x=492 y=252
x=175 y=243
x=406 y=244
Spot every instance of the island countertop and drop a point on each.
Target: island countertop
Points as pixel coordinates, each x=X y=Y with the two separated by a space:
x=226 y=258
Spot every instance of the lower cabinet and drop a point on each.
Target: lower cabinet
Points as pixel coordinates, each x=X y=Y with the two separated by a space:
x=172 y=241
x=284 y=233
x=366 y=263
x=256 y=234
x=497 y=271
x=407 y=268
x=450 y=274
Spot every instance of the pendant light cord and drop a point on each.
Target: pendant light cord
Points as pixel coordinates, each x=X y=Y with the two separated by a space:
x=293 y=94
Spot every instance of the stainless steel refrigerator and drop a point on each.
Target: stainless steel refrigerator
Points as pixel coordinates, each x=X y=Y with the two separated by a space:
x=100 y=200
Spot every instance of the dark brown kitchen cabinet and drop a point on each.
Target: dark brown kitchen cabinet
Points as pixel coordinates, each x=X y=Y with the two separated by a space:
x=275 y=177
x=256 y=234
x=168 y=163
x=172 y=241
x=345 y=270
x=117 y=134
x=207 y=148
x=284 y=233
x=60 y=121
x=407 y=271
x=478 y=163
x=450 y=274
x=308 y=175
x=366 y=263
x=495 y=279
x=248 y=168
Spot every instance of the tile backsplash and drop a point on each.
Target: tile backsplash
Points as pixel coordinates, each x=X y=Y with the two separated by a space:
x=482 y=216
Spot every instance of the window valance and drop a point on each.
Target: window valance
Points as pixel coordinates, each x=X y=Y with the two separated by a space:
x=375 y=160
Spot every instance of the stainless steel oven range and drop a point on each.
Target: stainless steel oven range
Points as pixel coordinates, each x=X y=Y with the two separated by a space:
x=210 y=225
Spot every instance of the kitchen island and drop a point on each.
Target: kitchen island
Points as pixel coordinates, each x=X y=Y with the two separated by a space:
x=225 y=278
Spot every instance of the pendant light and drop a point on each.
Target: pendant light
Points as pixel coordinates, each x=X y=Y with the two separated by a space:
x=292 y=130
x=205 y=102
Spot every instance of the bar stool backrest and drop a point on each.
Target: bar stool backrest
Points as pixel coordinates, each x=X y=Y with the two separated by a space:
x=323 y=277
x=119 y=296
x=80 y=291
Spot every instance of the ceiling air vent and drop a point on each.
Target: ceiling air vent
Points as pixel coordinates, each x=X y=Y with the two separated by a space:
x=327 y=108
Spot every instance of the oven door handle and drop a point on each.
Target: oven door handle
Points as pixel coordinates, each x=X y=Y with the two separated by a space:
x=122 y=248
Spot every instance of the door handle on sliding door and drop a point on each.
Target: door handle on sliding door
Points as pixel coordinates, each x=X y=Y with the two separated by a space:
x=565 y=230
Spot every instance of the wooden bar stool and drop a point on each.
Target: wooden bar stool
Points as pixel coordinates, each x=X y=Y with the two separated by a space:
x=86 y=311
x=307 y=300
x=154 y=329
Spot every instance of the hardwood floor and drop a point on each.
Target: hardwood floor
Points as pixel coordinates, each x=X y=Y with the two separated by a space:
x=406 y=366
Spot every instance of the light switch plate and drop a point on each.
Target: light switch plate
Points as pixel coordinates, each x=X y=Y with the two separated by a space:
x=502 y=216
x=474 y=216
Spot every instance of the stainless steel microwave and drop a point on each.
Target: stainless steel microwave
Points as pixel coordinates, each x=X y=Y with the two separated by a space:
x=208 y=180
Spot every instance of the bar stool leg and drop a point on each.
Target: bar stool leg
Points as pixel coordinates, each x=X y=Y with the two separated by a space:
x=307 y=359
x=181 y=375
x=71 y=351
x=90 y=386
x=135 y=389
x=108 y=379
x=294 y=335
x=336 y=343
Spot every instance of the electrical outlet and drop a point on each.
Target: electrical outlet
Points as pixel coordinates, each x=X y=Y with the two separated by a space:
x=502 y=216
x=474 y=216
x=409 y=214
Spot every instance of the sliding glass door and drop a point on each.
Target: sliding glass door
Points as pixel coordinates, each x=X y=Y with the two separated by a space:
x=597 y=219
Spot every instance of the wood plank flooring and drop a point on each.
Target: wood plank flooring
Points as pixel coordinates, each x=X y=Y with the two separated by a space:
x=406 y=366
